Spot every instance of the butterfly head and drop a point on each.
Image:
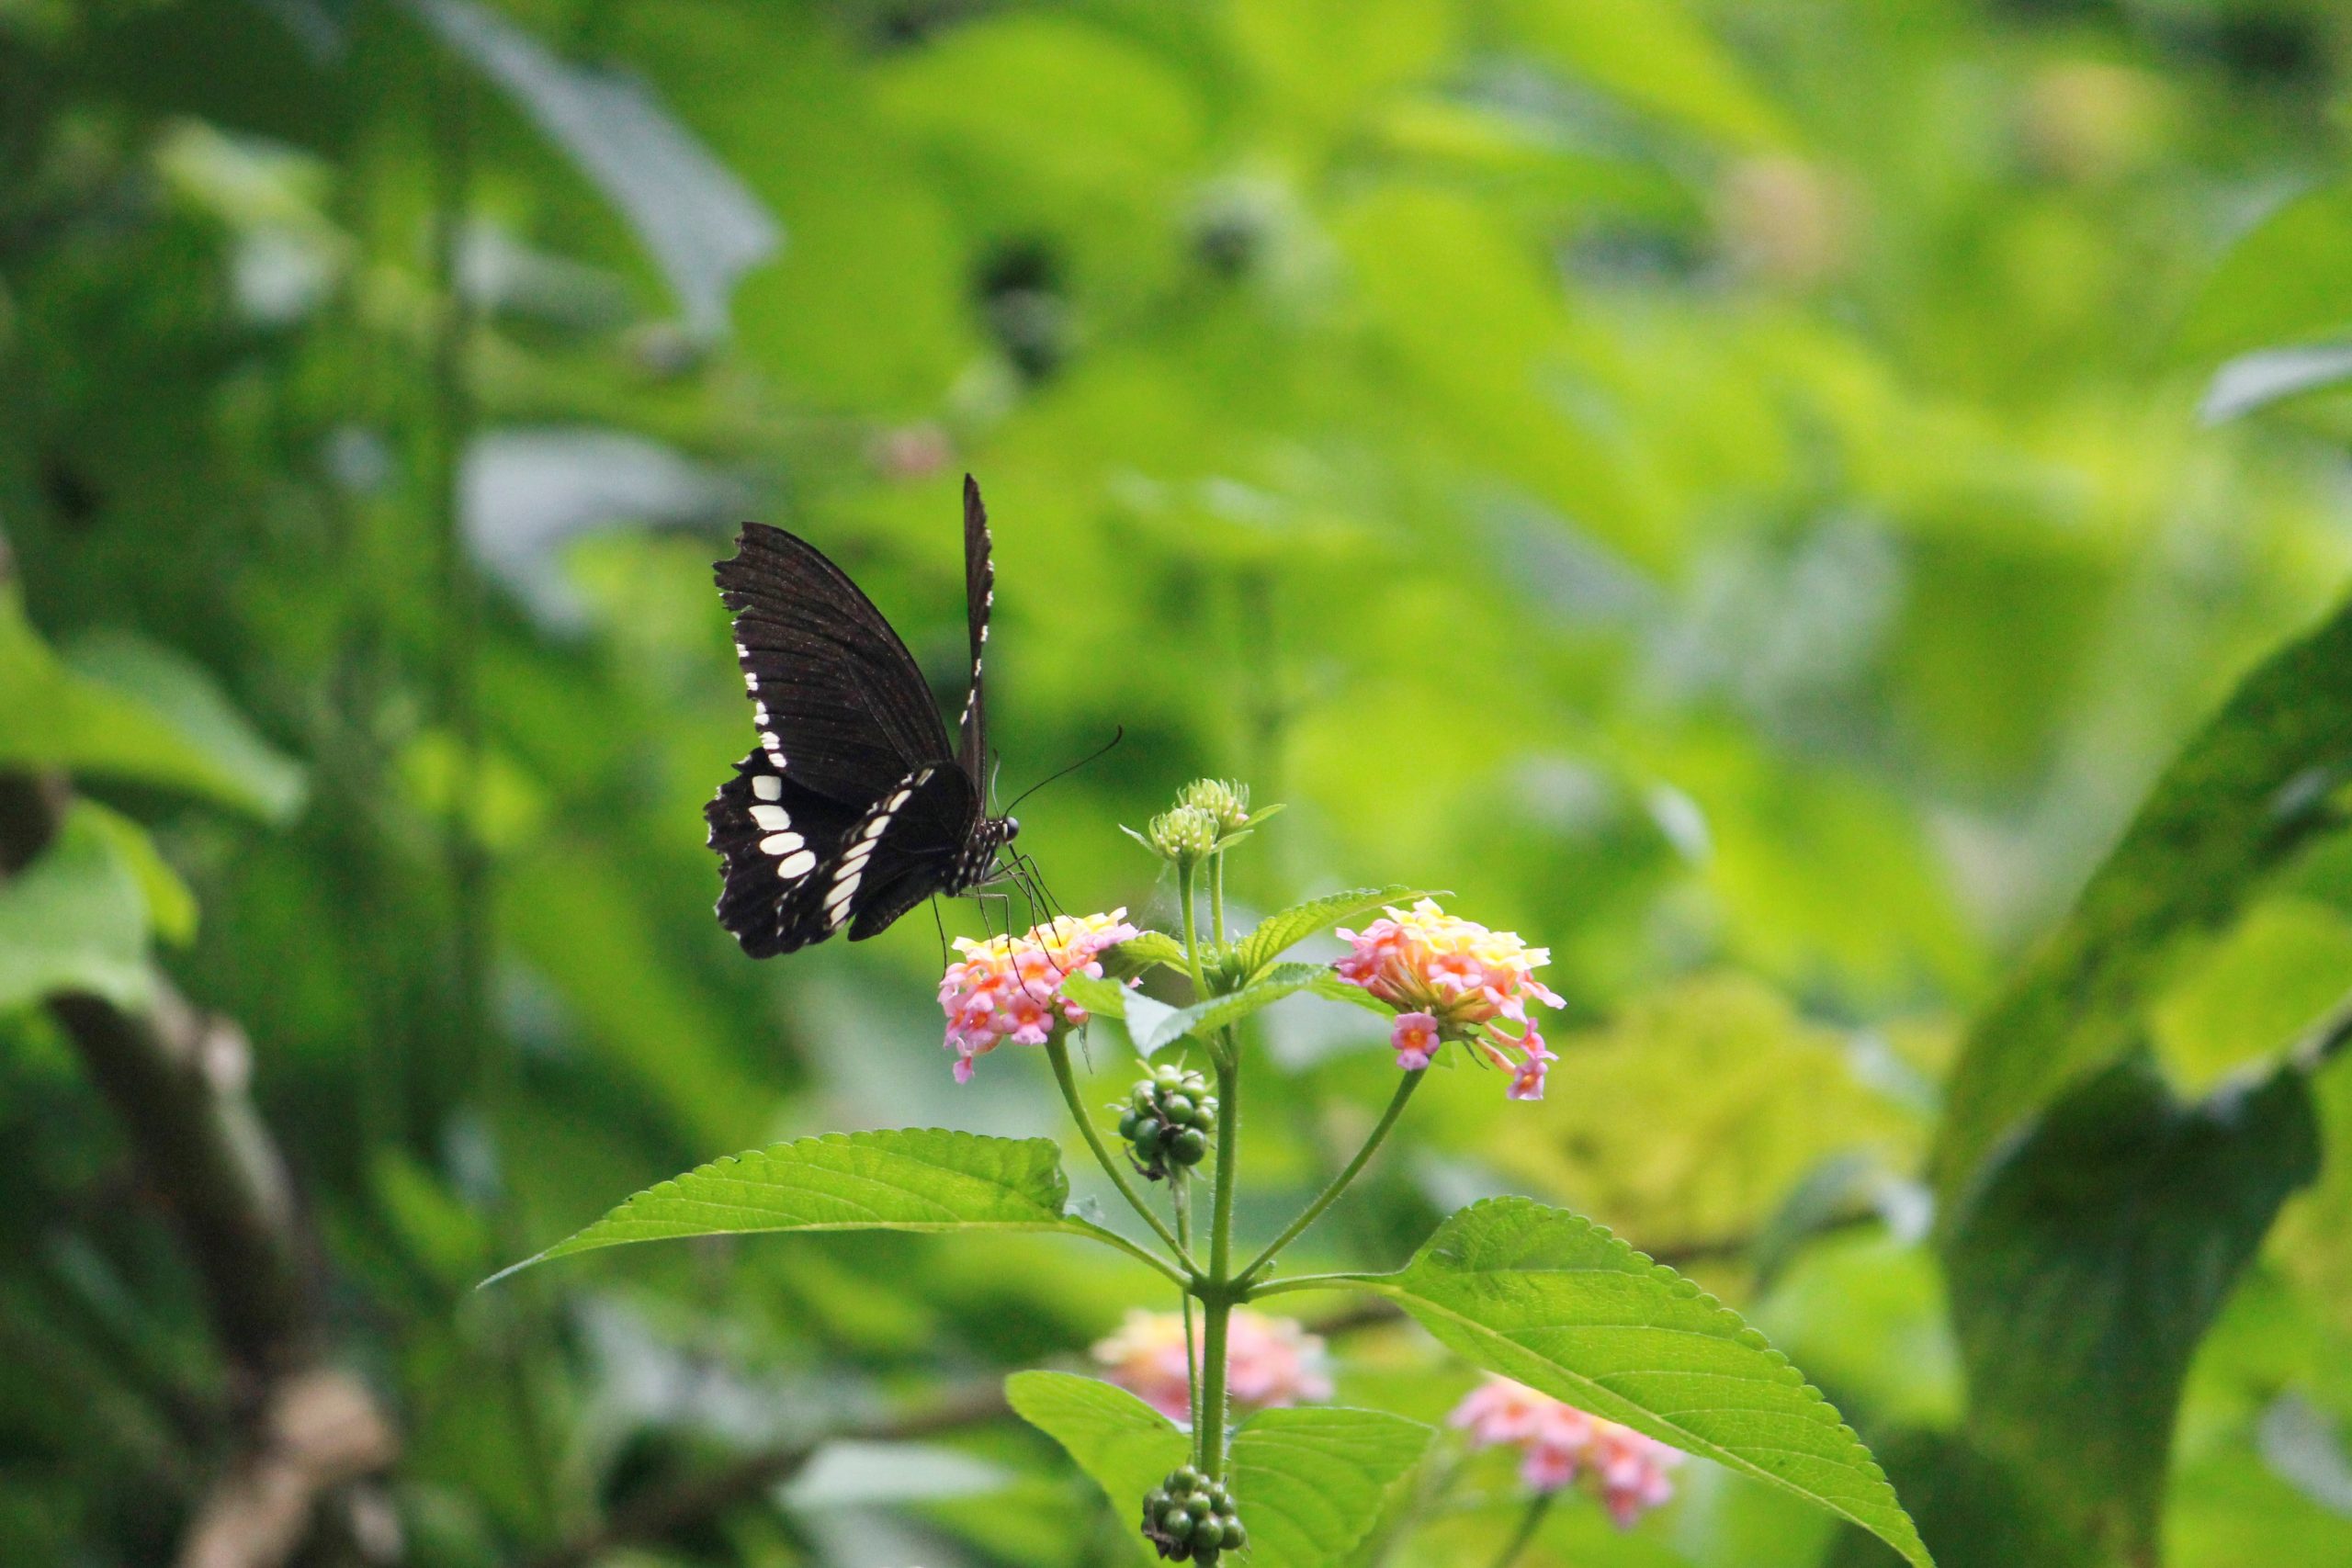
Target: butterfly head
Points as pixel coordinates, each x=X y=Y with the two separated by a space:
x=979 y=863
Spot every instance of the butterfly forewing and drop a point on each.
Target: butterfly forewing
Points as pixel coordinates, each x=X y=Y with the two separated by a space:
x=852 y=809
x=980 y=598
x=838 y=701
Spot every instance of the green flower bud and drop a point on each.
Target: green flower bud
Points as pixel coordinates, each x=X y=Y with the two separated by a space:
x=1225 y=801
x=1184 y=835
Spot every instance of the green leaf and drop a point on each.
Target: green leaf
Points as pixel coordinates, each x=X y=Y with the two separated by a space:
x=171 y=904
x=1217 y=1013
x=1310 y=1484
x=2282 y=283
x=1124 y=1445
x=2251 y=789
x=1139 y=952
x=1103 y=998
x=1281 y=932
x=1554 y=1300
x=75 y=920
x=1653 y=54
x=184 y=694
x=2095 y=1257
x=172 y=733
x=902 y=1180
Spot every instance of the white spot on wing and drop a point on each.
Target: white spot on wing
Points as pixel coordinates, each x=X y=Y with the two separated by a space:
x=796 y=865
x=781 y=843
x=767 y=786
x=774 y=818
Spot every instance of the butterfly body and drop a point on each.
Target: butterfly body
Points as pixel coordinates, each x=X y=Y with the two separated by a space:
x=852 y=807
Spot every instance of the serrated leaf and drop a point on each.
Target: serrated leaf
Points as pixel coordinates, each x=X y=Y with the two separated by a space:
x=1311 y=1483
x=75 y=920
x=1139 y=952
x=1103 y=998
x=1218 y=1013
x=911 y=1178
x=1556 y=1302
x=1308 y=1482
x=2249 y=791
x=2097 y=1254
x=1124 y=1445
x=1285 y=929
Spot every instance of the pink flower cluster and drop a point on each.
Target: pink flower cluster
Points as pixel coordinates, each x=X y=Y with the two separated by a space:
x=1009 y=987
x=1269 y=1361
x=1454 y=979
x=1559 y=1444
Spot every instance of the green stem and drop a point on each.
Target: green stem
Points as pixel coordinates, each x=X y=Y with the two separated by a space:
x=1180 y=1193
x=1185 y=874
x=1209 y=1420
x=1216 y=895
x=1057 y=1053
x=1379 y=1135
x=1528 y=1525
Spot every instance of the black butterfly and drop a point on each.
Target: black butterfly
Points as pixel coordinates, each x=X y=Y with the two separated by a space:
x=853 y=809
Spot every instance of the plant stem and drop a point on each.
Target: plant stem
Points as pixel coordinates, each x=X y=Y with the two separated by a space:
x=1208 y=1421
x=1057 y=1053
x=1180 y=1192
x=1216 y=895
x=1379 y=1135
x=1185 y=874
x=1528 y=1525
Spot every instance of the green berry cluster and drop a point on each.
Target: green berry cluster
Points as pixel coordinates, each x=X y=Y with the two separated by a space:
x=1167 y=1121
x=1190 y=1517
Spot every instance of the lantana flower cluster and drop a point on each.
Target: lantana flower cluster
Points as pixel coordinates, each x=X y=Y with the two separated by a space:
x=1010 y=987
x=1560 y=1445
x=1270 y=1361
x=1454 y=979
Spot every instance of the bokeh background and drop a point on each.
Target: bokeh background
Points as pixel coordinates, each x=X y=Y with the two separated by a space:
x=1748 y=492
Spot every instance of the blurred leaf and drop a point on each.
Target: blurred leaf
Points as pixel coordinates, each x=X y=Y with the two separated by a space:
x=139 y=714
x=75 y=920
x=2254 y=381
x=1281 y=932
x=1971 y=1511
x=2251 y=788
x=2099 y=1251
x=2283 y=283
x=170 y=905
x=1310 y=1484
x=902 y=1179
x=1654 y=55
x=1103 y=998
x=187 y=698
x=1554 y=1300
x=703 y=228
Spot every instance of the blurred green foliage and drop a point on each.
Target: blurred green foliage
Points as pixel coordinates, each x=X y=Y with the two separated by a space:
x=1753 y=493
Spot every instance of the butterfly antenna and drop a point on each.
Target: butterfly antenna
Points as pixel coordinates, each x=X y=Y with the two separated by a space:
x=1118 y=735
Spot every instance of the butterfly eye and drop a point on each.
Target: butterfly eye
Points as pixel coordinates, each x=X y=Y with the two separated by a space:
x=1012 y=827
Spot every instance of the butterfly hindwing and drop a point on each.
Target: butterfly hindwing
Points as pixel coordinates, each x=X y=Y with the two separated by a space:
x=773 y=835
